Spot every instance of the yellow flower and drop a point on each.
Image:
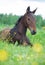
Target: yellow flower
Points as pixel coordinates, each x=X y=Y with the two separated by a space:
x=37 y=47
x=3 y=55
x=43 y=28
x=34 y=63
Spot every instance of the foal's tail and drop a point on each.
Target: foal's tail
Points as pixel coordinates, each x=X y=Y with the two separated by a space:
x=4 y=33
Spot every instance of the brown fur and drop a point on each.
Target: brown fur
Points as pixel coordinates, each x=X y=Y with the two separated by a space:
x=4 y=33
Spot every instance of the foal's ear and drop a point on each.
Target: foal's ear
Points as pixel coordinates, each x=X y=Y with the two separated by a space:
x=28 y=9
x=34 y=11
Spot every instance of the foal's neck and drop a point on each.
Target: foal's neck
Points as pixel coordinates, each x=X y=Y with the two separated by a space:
x=21 y=28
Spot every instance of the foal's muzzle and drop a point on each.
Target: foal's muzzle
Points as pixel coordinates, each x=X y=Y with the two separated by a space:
x=33 y=32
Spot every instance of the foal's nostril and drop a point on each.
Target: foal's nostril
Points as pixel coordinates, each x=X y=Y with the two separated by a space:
x=33 y=32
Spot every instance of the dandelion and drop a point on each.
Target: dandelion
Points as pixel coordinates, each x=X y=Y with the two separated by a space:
x=34 y=63
x=3 y=55
x=37 y=47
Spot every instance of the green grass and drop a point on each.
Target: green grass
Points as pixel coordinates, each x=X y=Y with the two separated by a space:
x=21 y=55
x=3 y=26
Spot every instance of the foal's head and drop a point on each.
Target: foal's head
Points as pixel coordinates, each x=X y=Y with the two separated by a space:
x=30 y=21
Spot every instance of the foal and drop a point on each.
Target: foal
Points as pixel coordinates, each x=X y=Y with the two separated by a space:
x=18 y=32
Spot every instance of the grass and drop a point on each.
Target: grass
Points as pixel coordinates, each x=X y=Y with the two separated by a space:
x=3 y=26
x=20 y=55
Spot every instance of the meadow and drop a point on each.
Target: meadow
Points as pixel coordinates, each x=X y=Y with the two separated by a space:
x=24 y=55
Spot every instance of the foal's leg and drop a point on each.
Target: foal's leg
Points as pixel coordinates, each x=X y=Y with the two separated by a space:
x=19 y=43
x=26 y=40
x=13 y=42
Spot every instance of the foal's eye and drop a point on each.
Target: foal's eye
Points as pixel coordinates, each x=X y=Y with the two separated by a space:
x=28 y=19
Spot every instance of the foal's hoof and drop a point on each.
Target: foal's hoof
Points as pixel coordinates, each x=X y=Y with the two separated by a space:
x=31 y=45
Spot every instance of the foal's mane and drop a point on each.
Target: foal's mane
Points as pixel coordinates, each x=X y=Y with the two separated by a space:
x=18 y=21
